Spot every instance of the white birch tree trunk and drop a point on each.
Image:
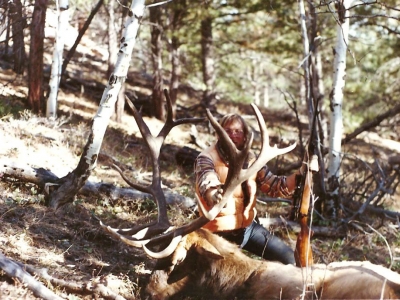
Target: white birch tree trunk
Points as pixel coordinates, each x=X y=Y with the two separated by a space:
x=63 y=18
x=305 y=62
x=336 y=95
x=75 y=180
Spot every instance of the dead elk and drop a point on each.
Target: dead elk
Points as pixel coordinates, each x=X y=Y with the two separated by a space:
x=207 y=266
x=201 y=263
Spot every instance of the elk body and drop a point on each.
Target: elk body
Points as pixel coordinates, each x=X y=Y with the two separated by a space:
x=207 y=266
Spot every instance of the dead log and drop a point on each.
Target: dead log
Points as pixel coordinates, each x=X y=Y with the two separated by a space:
x=19 y=270
x=14 y=270
x=90 y=287
x=45 y=179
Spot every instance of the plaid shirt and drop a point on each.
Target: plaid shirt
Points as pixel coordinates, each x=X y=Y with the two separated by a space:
x=270 y=184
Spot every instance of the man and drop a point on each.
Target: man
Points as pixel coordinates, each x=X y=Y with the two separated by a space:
x=237 y=220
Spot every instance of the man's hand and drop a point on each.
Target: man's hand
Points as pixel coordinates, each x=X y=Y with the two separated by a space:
x=213 y=196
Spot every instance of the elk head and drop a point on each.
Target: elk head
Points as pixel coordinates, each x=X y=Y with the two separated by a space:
x=161 y=230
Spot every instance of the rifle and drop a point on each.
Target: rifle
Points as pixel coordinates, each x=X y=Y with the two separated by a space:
x=303 y=252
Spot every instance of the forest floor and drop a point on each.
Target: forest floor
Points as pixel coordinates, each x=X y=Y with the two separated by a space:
x=70 y=244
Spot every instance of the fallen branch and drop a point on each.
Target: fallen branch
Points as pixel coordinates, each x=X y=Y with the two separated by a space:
x=80 y=288
x=19 y=270
x=80 y=35
x=44 y=179
x=14 y=270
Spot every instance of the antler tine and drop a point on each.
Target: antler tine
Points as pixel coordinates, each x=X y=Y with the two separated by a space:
x=167 y=251
x=116 y=233
x=138 y=232
x=154 y=145
x=170 y=123
x=267 y=152
x=236 y=158
x=144 y=129
x=136 y=186
x=139 y=235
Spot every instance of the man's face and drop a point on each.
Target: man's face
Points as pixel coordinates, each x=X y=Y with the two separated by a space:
x=235 y=133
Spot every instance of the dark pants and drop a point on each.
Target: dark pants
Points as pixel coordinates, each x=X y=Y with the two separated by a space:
x=258 y=240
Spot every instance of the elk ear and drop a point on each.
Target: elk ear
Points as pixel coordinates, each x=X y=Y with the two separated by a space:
x=208 y=250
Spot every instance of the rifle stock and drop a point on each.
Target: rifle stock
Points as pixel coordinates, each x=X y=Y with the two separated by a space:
x=303 y=251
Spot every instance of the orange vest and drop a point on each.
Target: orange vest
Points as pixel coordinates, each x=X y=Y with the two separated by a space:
x=234 y=215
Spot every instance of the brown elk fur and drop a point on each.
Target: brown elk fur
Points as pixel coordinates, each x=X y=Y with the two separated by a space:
x=207 y=266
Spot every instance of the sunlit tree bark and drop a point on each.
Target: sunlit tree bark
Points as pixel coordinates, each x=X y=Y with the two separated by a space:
x=336 y=100
x=5 y=25
x=112 y=58
x=305 y=61
x=112 y=38
x=253 y=76
x=63 y=17
x=71 y=183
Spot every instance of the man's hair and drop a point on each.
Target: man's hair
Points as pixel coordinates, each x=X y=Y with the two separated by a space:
x=230 y=118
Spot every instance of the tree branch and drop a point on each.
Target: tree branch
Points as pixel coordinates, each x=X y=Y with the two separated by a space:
x=373 y=123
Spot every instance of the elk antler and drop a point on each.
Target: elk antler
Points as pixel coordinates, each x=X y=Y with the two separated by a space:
x=236 y=175
x=139 y=234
